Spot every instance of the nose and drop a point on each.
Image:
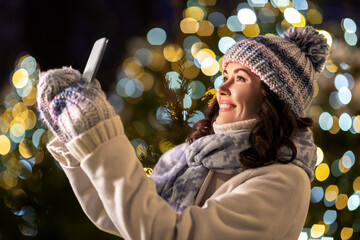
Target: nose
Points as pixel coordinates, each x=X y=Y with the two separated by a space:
x=223 y=89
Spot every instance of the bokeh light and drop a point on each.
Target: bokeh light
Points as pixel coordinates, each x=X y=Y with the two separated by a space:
x=320 y=155
x=4 y=145
x=353 y=202
x=195 y=12
x=29 y=64
x=156 y=36
x=189 y=25
x=234 y=25
x=329 y=216
x=217 y=19
x=322 y=172
x=325 y=121
x=349 y=25
x=350 y=38
x=341 y=201
x=317 y=193
x=300 y=4
x=345 y=122
x=173 y=52
x=346 y=233
x=317 y=230
x=225 y=43
x=266 y=15
x=20 y=78
x=246 y=16
x=292 y=15
x=205 y=28
x=197 y=89
x=129 y=88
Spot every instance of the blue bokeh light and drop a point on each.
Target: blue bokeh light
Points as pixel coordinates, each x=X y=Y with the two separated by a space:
x=156 y=36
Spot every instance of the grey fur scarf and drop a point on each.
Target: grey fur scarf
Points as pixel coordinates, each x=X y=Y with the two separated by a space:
x=181 y=171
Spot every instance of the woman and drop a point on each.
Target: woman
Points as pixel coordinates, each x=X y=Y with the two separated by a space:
x=245 y=172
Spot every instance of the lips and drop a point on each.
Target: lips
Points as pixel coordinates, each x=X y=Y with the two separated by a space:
x=226 y=106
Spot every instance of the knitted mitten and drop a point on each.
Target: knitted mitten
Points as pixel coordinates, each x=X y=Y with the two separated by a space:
x=68 y=104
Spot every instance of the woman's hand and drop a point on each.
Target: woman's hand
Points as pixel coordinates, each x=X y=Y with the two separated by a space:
x=68 y=104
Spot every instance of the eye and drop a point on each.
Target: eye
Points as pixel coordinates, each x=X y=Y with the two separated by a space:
x=224 y=79
x=240 y=78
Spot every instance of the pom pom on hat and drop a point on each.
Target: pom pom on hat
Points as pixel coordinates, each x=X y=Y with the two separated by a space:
x=311 y=42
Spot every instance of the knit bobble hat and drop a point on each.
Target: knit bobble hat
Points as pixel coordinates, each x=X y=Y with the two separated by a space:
x=287 y=64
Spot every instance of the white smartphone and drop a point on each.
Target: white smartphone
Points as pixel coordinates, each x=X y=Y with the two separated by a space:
x=94 y=59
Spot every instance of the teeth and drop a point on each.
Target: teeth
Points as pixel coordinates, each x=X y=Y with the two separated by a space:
x=225 y=106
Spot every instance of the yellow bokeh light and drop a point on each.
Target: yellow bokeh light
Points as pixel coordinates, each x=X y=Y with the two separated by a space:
x=202 y=55
x=132 y=67
x=158 y=61
x=330 y=66
x=17 y=130
x=9 y=179
x=356 y=184
x=4 y=126
x=30 y=120
x=331 y=193
x=5 y=145
x=205 y=28
x=20 y=78
x=195 y=13
x=210 y=67
x=147 y=80
x=196 y=47
x=342 y=168
x=189 y=25
x=320 y=155
x=302 y=22
x=341 y=201
x=18 y=109
x=322 y=172
x=335 y=127
x=173 y=52
x=190 y=70
x=24 y=149
x=18 y=120
x=314 y=16
x=346 y=233
x=316 y=90
x=317 y=230
x=30 y=99
x=356 y=124
x=251 y=30
x=224 y=31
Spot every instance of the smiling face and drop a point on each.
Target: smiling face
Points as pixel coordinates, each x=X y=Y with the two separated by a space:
x=239 y=96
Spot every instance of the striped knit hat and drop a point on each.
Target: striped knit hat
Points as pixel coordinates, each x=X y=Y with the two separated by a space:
x=287 y=64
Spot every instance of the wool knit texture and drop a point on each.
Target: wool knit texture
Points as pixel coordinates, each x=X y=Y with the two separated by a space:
x=181 y=171
x=287 y=64
x=69 y=105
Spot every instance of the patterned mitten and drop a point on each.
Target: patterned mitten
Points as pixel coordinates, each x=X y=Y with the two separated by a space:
x=68 y=104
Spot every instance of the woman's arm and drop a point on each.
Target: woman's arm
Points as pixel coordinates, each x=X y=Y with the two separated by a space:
x=265 y=203
x=82 y=187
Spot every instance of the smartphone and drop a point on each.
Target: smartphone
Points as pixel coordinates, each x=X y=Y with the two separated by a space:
x=94 y=59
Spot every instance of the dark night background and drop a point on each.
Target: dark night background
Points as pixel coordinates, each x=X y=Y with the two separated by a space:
x=59 y=33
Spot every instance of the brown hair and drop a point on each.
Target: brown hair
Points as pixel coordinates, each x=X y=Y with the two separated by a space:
x=277 y=126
